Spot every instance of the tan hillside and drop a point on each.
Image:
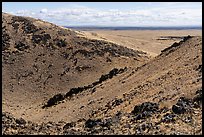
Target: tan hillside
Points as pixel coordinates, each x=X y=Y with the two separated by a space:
x=56 y=82
x=41 y=59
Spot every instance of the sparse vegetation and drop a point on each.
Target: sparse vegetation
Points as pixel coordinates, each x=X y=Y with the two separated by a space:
x=56 y=82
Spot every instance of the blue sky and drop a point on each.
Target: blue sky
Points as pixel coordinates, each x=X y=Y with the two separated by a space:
x=110 y=13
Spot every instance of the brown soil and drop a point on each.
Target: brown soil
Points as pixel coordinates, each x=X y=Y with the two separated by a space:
x=97 y=87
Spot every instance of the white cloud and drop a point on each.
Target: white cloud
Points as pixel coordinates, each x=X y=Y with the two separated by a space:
x=80 y=15
x=43 y=11
x=22 y=12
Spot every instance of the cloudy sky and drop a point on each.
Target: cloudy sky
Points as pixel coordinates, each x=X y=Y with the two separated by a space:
x=110 y=13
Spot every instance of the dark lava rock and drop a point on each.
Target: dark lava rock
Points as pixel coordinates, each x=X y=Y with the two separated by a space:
x=186 y=38
x=54 y=100
x=117 y=102
x=103 y=78
x=74 y=91
x=174 y=45
x=84 y=53
x=145 y=110
x=21 y=46
x=91 y=123
x=70 y=132
x=41 y=38
x=94 y=90
x=81 y=107
x=20 y=121
x=198 y=97
x=28 y=26
x=5 y=38
x=147 y=106
x=61 y=43
x=107 y=123
x=168 y=118
x=143 y=128
x=188 y=119
x=199 y=68
x=69 y=125
x=112 y=73
x=182 y=105
x=178 y=109
x=164 y=109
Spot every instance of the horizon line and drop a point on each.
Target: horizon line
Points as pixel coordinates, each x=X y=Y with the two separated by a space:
x=136 y=27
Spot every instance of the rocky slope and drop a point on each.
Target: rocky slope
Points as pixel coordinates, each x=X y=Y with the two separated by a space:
x=128 y=95
x=40 y=59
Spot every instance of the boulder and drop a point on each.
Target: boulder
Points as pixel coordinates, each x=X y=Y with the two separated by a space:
x=182 y=106
x=54 y=100
x=91 y=123
x=20 y=121
x=21 y=46
x=145 y=110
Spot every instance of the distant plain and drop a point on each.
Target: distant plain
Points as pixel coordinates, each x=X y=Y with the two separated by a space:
x=144 y=40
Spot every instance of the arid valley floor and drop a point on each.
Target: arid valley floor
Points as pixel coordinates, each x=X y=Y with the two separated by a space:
x=149 y=41
x=61 y=81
